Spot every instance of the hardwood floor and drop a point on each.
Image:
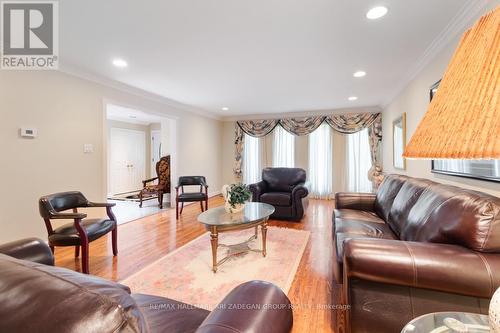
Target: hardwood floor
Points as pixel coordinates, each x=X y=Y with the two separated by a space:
x=145 y=240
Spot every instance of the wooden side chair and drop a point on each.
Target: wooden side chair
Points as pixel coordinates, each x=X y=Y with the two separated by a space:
x=201 y=196
x=83 y=230
x=163 y=177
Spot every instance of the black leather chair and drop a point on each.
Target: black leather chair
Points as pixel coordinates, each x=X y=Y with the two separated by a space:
x=83 y=230
x=285 y=189
x=191 y=196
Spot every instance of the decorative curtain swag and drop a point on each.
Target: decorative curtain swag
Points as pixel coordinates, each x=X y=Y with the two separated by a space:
x=344 y=123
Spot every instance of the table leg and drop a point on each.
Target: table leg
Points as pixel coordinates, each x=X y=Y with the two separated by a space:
x=264 y=233
x=256 y=231
x=215 y=243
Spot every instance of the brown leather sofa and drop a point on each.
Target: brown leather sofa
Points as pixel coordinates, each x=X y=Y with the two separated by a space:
x=413 y=248
x=285 y=189
x=37 y=297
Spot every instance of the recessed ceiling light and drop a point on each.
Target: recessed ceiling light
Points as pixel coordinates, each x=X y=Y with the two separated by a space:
x=376 y=12
x=120 y=63
x=352 y=98
x=359 y=74
x=132 y=116
x=225 y=108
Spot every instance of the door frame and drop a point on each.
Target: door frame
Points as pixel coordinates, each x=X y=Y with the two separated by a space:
x=168 y=119
x=153 y=166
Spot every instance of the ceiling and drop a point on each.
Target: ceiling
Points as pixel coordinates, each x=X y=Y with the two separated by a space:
x=128 y=115
x=255 y=57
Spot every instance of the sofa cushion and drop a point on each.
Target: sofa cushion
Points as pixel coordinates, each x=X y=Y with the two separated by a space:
x=52 y=299
x=386 y=194
x=404 y=202
x=350 y=228
x=354 y=214
x=166 y=315
x=283 y=179
x=451 y=215
x=341 y=237
x=277 y=198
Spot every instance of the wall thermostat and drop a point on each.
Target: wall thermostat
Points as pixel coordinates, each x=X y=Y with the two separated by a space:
x=28 y=132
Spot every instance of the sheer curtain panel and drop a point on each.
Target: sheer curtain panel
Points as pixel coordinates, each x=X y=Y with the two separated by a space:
x=283 y=148
x=252 y=159
x=320 y=162
x=358 y=162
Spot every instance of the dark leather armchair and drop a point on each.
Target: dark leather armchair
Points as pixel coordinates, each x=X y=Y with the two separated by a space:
x=201 y=196
x=163 y=177
x=83 y=303
x=285 y=189
x=83 y=230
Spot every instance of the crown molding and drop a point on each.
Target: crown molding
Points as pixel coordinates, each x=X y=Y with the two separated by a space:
x=110 y=83
x=365 y=109
x=460 y=22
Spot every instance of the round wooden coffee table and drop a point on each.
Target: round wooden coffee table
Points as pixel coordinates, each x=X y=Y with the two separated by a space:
x=217 y=220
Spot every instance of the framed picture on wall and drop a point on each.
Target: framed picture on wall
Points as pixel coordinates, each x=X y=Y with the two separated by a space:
x=478 y=169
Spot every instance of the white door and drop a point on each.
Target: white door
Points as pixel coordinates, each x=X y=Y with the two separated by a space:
x=127 y=160
x=155 y=150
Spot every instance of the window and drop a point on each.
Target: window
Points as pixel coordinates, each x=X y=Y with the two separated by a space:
x=320 y=162
x=283 y=148
x=252 y=159
x=358 y=162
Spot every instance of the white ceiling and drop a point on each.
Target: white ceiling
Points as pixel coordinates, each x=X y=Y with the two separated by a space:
x=258 y=56
x=128 y=115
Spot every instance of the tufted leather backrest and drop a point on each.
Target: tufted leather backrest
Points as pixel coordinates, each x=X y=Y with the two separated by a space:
x=386 y=193
x=52 y=299
x=283 y=179
x=452 y=215
x=60 y=202
x=404 y=201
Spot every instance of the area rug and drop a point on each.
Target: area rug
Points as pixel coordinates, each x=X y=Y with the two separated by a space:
x=186 y=275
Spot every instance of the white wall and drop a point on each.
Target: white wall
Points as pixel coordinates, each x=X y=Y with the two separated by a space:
x=68 y=112
x=414 y=100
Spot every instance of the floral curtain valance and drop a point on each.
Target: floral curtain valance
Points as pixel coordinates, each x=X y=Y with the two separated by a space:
x=344 y=123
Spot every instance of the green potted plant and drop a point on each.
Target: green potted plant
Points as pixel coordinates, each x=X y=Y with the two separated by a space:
x=235 y=195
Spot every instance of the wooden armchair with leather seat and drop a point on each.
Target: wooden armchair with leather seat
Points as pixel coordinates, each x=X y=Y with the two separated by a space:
x=83 y=230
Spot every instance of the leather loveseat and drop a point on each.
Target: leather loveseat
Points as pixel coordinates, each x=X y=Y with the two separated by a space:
x=37 y=297
x=285 y=189
x=413 y=248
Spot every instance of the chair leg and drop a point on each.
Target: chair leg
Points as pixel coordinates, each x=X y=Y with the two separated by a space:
x=85 y=257
x=176 y=210
x=160 y=199
x=201 y=205
x=140 y=199
x=77 y=251
x=114 y=240
x=182 y=207
x=206 y=204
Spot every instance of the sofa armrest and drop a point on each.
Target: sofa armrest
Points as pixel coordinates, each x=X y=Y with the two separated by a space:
x=300 y=191
x=254 y=306
x=31 y=249
x=257 y=190
x=358 y=201
x=440 y=267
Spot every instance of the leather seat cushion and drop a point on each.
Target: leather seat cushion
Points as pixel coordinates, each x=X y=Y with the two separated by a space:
x=166 y=315
x=192 y=196
x=277 y=198
x=354 y=214
x=67 y=234
x=347 y=229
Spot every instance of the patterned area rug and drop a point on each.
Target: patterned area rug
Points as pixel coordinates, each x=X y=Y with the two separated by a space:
x=185 y=274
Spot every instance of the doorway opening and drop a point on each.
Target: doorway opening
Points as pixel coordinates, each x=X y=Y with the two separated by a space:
x=136 y=142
